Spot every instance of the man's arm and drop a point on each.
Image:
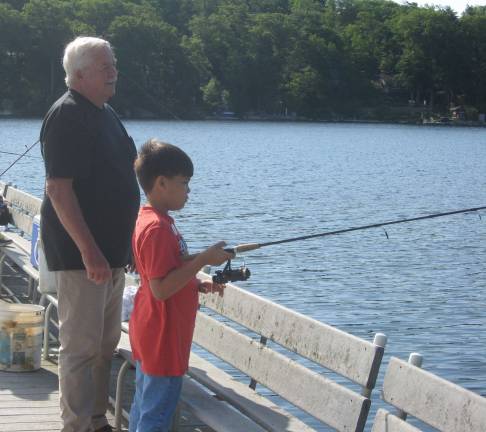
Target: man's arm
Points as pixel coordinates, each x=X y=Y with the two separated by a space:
x=65 y=203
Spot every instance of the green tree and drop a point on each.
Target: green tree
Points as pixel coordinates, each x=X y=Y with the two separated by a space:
x=99 y=14
x=268 y=47
x=155 y=74
x=12 y=58
x=50 y=30
x=473 y=24
x=369 y=37
x=319 y=65
x=224 y=38
x=430 y=51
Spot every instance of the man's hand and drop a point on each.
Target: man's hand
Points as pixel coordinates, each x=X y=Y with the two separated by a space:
x=97 y=267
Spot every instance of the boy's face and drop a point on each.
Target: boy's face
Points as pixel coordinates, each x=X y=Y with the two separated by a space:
x=176 y=191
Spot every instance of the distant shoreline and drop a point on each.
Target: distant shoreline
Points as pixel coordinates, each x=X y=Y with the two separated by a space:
x=270 y=119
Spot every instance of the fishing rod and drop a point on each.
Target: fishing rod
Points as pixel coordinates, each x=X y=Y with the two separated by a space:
x=20 y=157
x=243 y=273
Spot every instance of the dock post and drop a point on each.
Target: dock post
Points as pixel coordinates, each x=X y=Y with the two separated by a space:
x=416 y=360
x=379 y=340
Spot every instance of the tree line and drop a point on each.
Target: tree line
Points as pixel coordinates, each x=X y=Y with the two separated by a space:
x=314 y=59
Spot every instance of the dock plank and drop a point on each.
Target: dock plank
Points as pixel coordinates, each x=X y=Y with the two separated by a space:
x=29 y=401
x=21 y=403
x=32 y=427
x=28 y=410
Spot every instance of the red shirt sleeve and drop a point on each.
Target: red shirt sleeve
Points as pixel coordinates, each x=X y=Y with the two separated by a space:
x=157 y=252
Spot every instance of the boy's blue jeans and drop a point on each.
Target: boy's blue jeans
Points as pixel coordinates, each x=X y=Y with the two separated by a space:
x=154 y=402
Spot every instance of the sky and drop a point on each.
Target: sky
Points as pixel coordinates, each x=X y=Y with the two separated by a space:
x=458 y=5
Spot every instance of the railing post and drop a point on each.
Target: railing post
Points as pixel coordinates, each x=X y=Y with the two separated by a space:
x=379 y=340
x=176 y=419
x=119 y=394
x=253 y=383
x=47 y=320
x=416 y=360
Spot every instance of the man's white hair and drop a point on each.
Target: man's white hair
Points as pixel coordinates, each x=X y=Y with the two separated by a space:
x=78 y=54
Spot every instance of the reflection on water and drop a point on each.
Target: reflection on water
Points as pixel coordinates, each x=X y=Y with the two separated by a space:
x=424 y=286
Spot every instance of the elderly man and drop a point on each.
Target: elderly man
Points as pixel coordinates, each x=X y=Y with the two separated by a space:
x=87 y=218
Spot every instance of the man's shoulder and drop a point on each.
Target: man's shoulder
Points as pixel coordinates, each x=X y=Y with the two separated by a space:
x=65 y=108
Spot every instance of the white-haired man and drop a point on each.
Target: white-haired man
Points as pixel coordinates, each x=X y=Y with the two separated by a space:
x=87 y=218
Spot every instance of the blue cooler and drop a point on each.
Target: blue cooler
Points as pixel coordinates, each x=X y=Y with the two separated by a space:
x=34 y=243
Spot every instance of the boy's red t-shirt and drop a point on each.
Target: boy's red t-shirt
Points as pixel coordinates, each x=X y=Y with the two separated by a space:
x=161 y=331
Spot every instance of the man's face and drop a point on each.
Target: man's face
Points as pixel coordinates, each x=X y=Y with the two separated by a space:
x=98 y=80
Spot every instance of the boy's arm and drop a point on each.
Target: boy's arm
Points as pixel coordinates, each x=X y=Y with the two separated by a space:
x=175 y=280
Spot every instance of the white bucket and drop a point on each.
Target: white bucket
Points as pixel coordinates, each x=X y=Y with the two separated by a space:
x=21 y=330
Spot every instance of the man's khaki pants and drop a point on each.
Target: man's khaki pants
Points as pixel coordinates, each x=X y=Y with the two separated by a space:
x=89 y=331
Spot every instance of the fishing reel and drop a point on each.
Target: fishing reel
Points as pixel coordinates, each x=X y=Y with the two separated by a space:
x=229 y=274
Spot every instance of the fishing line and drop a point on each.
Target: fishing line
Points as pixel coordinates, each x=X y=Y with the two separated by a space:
x=18 y=154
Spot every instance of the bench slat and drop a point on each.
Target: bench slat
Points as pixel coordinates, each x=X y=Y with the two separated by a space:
x=341 y=352
x=23 y=207
x=258 y=408
x=387 y=422
x=436 y=401
x=24 y=201
x=17 y=240
x=329 y=402
x=214 y=413
x=18 y=255
x=21 y=220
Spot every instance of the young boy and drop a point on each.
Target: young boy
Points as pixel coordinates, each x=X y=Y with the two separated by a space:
x=162 y=321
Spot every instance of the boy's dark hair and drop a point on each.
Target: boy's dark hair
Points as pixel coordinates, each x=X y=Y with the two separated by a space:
x=156 y=158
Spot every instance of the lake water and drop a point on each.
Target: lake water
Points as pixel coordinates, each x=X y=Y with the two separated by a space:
x=424 y=286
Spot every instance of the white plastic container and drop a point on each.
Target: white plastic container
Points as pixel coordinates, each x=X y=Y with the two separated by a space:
x=47 y=279
x=21 y=330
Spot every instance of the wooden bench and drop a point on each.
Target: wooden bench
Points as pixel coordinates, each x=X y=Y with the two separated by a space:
x=207 y=388
x=433 y=400
x=218 y=399
x=23 y=207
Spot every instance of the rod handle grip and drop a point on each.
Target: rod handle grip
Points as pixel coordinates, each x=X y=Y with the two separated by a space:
x=246 y=247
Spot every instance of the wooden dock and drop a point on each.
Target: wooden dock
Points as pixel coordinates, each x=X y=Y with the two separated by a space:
x=29 y=401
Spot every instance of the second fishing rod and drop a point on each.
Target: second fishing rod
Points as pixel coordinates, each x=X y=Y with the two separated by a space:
x=229 y=274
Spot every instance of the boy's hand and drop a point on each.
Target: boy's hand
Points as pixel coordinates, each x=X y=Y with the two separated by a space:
x=216 y=255
x=206 y=287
